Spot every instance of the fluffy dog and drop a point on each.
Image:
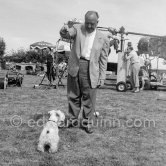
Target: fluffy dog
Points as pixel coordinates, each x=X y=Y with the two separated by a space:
x=49 y=138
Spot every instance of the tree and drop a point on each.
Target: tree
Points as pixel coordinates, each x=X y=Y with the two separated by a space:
x=33 y=56
x=2 y=47
x=22 y=55
x=143 y=46
x=153 y=46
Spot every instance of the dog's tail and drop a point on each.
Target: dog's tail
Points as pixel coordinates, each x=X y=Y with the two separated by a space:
x=47 y=147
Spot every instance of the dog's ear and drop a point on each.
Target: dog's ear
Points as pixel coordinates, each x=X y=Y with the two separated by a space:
x=50 y=112
x=57 y=113
x=60 y=115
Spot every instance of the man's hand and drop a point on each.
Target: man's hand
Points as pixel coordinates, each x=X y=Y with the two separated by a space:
x=100 y=83
x=65 y=28
x=70 y=24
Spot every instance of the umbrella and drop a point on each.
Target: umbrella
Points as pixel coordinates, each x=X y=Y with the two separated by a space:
x=41 y=45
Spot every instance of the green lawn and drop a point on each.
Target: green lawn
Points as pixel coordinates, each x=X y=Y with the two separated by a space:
x=131 y=128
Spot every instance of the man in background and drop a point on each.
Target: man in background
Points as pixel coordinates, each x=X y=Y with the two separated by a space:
x=50 y=63
x=135 y=67
x=129 y=44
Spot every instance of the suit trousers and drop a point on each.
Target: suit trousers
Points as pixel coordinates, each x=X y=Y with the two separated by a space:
x=80 y=93
x=134 y=74
x=50 y=71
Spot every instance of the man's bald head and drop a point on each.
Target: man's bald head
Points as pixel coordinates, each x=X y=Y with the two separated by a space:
x=91 y=21
x=93 y=14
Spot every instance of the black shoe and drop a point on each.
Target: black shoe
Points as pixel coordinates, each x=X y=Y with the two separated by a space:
x=86 y=125
x=88 y=130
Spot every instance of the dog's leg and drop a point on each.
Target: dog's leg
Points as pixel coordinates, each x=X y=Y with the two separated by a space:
x=5 y=83
x=40 y=147
x=53 y=148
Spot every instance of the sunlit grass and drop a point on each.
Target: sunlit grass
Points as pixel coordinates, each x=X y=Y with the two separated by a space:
x=122 y=141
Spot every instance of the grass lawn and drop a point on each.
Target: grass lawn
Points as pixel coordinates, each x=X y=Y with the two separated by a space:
x=130 y=131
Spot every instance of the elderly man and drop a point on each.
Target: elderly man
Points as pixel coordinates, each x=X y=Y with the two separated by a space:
x=86 y=68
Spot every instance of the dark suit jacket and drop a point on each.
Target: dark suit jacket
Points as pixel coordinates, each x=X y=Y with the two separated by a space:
x=98 y=57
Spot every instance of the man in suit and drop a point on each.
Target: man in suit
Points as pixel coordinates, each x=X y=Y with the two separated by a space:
x=86 y=68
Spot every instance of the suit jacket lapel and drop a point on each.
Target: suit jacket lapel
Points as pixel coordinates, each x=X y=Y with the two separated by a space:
x=95 y=43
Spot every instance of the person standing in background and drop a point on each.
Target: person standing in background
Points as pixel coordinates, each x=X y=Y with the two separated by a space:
x=129 y=44
x=50 y=63
x=135 y=67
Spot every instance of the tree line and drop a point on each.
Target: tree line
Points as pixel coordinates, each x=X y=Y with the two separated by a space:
x=30 y=55
x=34 y=56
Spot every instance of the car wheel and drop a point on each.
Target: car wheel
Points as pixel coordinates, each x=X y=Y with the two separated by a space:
x=129 y=85
x=121 y=86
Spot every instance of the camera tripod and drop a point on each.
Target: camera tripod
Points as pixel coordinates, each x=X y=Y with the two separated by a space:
x=51 y=76
x=52 y=71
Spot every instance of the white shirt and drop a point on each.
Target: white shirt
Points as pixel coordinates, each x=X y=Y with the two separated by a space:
x=87 y=46
x=141 y=61
x=133 y=57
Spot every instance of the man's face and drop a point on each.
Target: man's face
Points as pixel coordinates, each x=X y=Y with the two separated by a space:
x=129 y=50
x=91 y=23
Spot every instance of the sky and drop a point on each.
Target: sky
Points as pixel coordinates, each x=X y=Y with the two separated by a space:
x=24 y=22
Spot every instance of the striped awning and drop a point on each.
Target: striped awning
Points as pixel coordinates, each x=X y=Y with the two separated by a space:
x=41 y=45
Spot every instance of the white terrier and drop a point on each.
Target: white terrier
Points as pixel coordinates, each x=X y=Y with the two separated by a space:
x=49 y=138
